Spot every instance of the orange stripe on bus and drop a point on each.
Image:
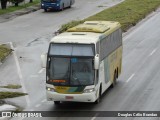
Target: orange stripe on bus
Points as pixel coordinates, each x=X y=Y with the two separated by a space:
x=58 y=81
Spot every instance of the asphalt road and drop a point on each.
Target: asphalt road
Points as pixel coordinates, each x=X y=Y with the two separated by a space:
x=29 y=35
x=138 y=86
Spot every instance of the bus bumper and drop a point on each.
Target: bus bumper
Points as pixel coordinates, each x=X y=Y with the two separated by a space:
x=50 y=6
x=84 y=97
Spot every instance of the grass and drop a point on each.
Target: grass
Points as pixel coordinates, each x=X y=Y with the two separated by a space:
x=4 y=52
x=11 y=86
x=128 y=13
x=21 y=6
x=4 y=95
x=69 y=25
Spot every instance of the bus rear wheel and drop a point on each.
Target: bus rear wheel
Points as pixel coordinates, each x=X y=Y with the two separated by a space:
x=62 y=7
x=114 y=80
x=56 y=102
x=70 y=4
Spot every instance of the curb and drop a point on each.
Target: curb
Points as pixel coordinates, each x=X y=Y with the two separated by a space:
x=8 y=16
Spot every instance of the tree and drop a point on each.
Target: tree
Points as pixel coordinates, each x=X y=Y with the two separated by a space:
x=3 y=4
x=16 y=2
x=30 y=1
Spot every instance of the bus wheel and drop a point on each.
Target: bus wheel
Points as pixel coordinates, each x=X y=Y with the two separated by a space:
x=70 y=5
x=114 y=80
x=45 y=10
x=62 y=7
x=99 y=97
x=56 y=102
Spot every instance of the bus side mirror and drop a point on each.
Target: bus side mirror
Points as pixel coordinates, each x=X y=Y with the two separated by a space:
x=96 y=62
x=43 y=60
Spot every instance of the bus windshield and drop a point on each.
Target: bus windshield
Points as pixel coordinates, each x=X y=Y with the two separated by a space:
x=70 y=71
x=53 y=1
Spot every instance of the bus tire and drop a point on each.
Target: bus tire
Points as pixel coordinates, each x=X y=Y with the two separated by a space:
x=99 y=96
x=56 y=102
x=45 y=10
x=62 y=7
x=70 y=4
x=117 y=73
x=114 y=80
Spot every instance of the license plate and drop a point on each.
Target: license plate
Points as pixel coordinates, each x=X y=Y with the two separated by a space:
x=69 y=97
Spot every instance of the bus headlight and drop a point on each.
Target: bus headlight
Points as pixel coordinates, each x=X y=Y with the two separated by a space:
x=89 y=90
x=50 y=89
x=42 y=4
x=57 y=4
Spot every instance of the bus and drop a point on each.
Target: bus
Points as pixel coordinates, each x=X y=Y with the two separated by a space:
x=82 y=63
x=56 y=4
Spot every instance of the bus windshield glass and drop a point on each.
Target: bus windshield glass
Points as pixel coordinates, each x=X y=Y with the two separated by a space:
x=53 y=1
x=81 y=50
x=70 y=71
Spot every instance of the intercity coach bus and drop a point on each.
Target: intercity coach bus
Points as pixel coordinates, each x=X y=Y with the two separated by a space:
x=82 y=63
x=56 y=4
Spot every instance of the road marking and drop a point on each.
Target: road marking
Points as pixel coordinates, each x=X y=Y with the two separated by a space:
x=38 y=105
x=93 y=118
x=19 y=73
x=152 y=52
x=130 y=77
x=41 y=70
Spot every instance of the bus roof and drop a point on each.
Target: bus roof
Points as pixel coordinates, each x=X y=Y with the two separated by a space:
x=88 y=32
x=76 y=37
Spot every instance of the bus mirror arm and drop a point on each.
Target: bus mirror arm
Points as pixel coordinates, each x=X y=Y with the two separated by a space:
x=96 y=62
x=43 y=60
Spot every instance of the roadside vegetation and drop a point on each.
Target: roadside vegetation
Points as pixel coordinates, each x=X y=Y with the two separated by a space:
x=128 y=13
x=20 y=6
x=4 y=52
x=11 y=86
x=69 y=25
x=4 y=95
x=8 y=94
